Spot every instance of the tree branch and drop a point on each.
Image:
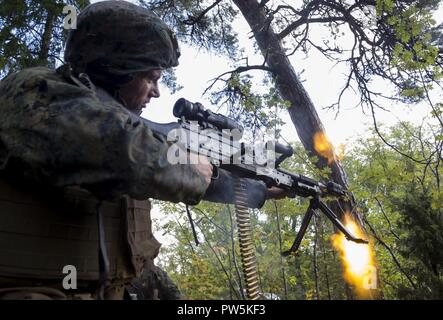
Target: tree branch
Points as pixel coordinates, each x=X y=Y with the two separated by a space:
x=387 y=219
x=305 y=20
x=238 y=70
x=394 y=258
x=193 y=20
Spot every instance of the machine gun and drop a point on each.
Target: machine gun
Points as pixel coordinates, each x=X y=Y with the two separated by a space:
x=225 y=152
x=201 y=131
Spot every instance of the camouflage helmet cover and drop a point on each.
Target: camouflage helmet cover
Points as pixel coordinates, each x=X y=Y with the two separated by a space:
x=119 y=38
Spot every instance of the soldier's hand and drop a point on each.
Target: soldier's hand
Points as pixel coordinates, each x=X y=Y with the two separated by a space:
x=204 y=167
x=278 y=193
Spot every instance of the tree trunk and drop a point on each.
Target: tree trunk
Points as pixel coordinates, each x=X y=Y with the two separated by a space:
x=280 y=243
x=43 y=56
x=325 y=262
x=234 y=259
x=315 y=262
x=302 y=110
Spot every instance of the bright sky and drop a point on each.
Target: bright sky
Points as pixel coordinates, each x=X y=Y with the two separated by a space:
x=323 y=82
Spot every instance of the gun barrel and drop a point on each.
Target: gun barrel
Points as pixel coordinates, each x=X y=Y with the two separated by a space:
x=335 y=189
x=328 y=212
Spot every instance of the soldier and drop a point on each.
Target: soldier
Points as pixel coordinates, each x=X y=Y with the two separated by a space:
x=74 y=155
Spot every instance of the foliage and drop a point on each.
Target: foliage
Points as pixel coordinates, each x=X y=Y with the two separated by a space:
x=401 y=201
x=401 y=197
x=31 y=33
x=206 y=24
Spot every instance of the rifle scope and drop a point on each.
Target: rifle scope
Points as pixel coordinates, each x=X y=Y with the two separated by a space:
x=196 y=112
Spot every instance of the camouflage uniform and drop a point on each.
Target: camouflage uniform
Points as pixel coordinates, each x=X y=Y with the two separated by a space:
x=52 y=123
x=67 y=145
x=154 y=284
x=57 y=133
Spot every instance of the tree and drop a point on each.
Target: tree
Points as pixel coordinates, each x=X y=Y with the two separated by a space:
x=402 y=200
x=397 y=48
x=32 y=33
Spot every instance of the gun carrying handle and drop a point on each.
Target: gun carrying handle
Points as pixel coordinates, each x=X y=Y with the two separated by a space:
x=284 y=151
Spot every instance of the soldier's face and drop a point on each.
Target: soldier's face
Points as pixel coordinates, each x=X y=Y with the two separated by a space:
x=137 y=93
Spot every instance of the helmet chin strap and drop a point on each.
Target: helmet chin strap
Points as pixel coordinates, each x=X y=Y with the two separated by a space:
x=118 y=97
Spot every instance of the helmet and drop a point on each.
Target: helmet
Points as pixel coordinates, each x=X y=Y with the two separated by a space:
x=115 y=39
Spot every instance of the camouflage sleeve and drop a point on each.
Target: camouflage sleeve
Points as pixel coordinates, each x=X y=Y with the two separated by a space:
x=222 y=190
x=64 y=135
